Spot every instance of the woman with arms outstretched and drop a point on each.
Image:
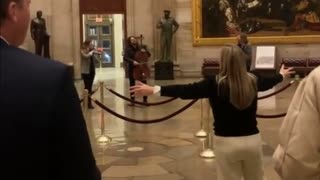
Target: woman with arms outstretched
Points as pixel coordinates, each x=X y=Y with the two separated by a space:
x=233 y=98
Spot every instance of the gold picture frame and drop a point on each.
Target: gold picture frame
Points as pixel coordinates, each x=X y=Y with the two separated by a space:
x=199 y=40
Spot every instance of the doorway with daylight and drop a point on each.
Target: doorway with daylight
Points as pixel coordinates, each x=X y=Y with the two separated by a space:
x=107 y=33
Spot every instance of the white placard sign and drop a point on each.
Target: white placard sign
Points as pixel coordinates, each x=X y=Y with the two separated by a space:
x=265 y=57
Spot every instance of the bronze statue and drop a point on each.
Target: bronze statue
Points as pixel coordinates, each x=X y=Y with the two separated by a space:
x=168 y=26
x=40 y=36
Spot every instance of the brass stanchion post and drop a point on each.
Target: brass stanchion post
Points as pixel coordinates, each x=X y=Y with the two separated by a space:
x=208 y=152
x=201 y=132
x=102 y=138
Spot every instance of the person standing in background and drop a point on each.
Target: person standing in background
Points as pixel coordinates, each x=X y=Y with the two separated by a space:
x=243 y=43
x=88 y=71
x=129 y=57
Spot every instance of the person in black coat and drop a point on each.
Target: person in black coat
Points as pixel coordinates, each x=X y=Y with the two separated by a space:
x=233 y=98
x=129 y=57
x=43 y=134
x=243 y=43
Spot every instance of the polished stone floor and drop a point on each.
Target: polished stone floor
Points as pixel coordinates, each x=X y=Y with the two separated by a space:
x=167 y=150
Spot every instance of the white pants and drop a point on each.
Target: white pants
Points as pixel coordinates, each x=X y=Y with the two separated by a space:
x=239 y=157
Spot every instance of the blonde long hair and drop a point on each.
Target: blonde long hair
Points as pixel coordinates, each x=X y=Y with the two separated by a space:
x=234 y=78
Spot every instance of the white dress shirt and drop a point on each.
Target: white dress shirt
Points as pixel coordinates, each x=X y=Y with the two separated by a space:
x=156 y=90
x=1 y=37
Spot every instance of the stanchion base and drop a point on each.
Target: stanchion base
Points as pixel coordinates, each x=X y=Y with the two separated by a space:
x=208 y=153
x=104 y=139
x=201 y=133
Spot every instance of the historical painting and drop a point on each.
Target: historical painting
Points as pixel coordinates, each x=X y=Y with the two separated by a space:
x=265 y=21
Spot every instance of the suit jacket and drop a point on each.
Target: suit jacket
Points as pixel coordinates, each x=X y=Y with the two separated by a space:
x=298 y=155
x=43 y=134
x=247 y=49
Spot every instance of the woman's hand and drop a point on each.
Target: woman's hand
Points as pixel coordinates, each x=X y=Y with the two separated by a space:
x=285 y=72
x=135 y=63
x=141 y=89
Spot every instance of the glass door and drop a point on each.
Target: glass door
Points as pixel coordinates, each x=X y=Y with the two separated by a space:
x=99 y=29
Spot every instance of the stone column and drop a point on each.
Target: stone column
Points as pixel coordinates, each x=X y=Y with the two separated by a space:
x=65 y=33
x=62 y=31
x=76 y=37
x=130 y=17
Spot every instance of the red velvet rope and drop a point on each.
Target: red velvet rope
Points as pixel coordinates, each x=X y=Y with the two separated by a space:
x=172 y=99
x=141 y=103
x=278 y=91
x=271 y=116
x=148 y=121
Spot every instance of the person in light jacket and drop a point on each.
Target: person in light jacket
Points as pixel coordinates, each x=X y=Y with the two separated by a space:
x=87 y=67
x=298 y=155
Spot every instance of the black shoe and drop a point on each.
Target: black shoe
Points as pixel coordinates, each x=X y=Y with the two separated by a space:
x=90 y=106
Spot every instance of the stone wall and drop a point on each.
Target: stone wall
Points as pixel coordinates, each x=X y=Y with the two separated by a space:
x=63 y=25
x=142 y=15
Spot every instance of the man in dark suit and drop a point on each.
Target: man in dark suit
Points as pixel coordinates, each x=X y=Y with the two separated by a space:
x=43 y=134
x=243 y=43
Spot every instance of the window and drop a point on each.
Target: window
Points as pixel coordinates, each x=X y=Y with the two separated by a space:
x=106 y=44
x=105 y=29
x=95 y=43
x=92 y=30
x=107 y=57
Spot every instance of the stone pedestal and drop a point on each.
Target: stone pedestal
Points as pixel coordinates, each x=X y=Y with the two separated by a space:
x=163 y=71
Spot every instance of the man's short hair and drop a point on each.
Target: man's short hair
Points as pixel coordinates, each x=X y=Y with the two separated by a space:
x=4 y=8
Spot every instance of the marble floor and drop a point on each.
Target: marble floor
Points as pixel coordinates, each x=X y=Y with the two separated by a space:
x=167 y=150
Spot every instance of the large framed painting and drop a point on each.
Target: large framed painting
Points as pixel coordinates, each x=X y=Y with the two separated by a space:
x=217 y=22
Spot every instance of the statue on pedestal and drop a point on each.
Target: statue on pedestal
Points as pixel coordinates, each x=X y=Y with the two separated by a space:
x=169 y=27
x=40 y=36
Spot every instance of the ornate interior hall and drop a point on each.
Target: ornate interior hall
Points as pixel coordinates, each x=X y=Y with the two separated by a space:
x=167 y=150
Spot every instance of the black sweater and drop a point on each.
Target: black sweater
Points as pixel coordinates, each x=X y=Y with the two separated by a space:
x=229 y=121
